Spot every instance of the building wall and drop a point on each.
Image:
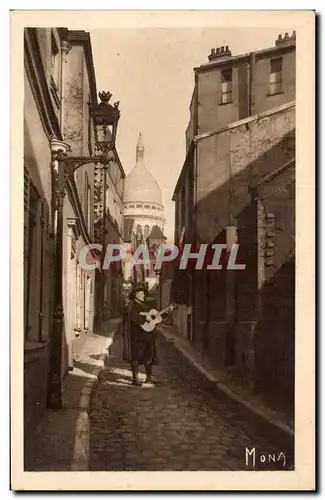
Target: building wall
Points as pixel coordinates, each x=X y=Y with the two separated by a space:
x=114 y=196
x=261 y=100
x=266 y=290
x=243 y=155
x=236 y=158
x=53 y=110
x=114 y=276
x=211 y=112
x=38 y=258
x=37 y=160
x=79 y=284
x=250 y=88
x=114 y=234
x=225 y=309
x=184 y=203
x=78 y=131
x=47 y=40
x=191 y=128
x=228 y=314
x=109 y=226
x=274 y=346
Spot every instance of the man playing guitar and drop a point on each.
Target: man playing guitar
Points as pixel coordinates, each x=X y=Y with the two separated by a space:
x=139 y=341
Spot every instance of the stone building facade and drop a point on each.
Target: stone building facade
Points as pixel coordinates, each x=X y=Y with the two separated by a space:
x=41 y=121
x=237 y=187
x=79 y=92
x=59 y=89
x=109 y=226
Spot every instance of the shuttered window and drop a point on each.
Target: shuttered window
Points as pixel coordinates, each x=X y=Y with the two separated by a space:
x=31 y=228
x=275 y=78
x=37 y=256
x=226 y=86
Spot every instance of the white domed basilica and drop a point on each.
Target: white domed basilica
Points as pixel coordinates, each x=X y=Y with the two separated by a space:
x=143 y=208
x=143 y=217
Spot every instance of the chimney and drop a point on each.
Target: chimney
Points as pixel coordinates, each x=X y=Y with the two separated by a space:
x=286 y=39
x=219 y=52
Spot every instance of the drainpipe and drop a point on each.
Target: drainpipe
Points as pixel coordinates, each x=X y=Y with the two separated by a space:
x=231 y=239
x=195 y=153
x=251 y=79
x=194 y=200
x=40 y=319
x=65 y=49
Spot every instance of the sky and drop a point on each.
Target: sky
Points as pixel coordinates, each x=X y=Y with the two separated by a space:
x=150 y=71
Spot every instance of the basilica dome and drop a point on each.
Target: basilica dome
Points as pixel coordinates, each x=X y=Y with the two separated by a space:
x=139 y=185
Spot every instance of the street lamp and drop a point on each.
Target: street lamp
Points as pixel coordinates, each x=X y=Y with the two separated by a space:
x=105 y=120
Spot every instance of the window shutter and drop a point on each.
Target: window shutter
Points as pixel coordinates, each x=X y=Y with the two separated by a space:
x=275 y=83
x=276 y=65
x=46 y=222
x=275 y=77
x=25 y=254
x=226 y=87
x=26 y=210
x=226 y=92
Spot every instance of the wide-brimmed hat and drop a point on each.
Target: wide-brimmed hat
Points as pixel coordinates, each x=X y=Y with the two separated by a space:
x=139 y=287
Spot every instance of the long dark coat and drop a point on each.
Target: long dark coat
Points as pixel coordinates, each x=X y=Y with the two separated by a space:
x=138 y=345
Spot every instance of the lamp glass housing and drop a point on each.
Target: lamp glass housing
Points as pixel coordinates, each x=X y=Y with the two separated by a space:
x=103 y=135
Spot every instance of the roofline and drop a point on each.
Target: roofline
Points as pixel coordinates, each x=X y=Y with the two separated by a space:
x=252 y=118
x=118 y=161
x=275 y=173
x=231 y=126
x=231 y=60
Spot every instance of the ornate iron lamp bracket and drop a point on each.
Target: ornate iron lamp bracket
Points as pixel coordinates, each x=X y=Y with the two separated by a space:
x=68 y=165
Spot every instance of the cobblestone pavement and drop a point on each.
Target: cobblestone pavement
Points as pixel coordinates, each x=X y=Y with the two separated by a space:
x=174 y=424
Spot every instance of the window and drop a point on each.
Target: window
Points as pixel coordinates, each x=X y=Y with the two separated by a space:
x=139 y=206
x=147 y=206
x=108 y=199
x=31 y=257
x=275 y=82
x=153 y=207
x=226 y=85
x=55 y=63
x=131 y=206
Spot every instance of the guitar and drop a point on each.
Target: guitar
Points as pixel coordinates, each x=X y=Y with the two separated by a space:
x=154 y=317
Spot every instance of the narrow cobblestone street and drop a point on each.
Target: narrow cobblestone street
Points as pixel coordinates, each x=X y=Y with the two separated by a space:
x=175 y=424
